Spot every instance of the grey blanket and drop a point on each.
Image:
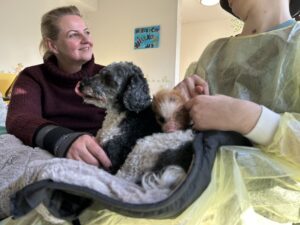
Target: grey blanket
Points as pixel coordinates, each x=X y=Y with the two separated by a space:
x=21 y=166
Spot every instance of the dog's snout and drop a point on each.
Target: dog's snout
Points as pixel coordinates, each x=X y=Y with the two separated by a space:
x=81 y=85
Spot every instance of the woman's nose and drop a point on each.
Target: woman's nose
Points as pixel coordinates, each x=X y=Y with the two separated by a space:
x=85 y=37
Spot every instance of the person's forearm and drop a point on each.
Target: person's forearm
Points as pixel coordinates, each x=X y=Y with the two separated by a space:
x=244 y=115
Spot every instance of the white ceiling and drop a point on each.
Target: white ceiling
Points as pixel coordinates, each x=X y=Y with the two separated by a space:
x=193 y=11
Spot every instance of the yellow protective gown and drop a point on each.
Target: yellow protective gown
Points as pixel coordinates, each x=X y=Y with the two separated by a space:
x=249 y=186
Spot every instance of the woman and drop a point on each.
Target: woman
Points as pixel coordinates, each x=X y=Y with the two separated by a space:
x=44 y=110
x=252 y=77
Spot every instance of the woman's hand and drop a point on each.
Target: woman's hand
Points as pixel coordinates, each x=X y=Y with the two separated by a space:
x=220 y=112
x=86 y=149
x=192 y=86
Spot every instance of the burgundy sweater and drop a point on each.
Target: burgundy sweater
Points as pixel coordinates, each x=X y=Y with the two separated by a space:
x=43 y=95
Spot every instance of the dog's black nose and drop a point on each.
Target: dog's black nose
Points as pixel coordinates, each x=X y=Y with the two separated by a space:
x=86 y=81
x=81 y=85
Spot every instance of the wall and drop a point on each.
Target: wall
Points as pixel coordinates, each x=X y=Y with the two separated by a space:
x=196 y=36
x=113 y=32
x=112 y=24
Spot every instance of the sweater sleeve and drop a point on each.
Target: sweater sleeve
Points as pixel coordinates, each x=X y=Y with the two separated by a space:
x=57 y=140
x=25 y=119
x=24 y=115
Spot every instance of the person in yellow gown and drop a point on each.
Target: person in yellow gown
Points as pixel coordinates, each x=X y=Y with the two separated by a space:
x=249 y=84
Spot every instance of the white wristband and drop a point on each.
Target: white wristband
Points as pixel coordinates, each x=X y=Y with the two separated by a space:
x=265 y=127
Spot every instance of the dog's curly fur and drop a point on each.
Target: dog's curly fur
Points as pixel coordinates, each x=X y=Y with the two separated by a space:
x=123 y=91
x=160 y=160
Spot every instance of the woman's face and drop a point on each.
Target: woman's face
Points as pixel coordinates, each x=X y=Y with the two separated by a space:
x=74 y=43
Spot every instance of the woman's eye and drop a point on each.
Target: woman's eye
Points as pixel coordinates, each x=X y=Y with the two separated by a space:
x=73 y=35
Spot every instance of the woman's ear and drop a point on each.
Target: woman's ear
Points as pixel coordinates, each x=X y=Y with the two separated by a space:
x=51 y=45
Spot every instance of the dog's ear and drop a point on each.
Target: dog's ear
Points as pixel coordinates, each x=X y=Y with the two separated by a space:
x=136 y=96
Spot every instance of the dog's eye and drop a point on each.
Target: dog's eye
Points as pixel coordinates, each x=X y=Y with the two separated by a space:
x=172 y=99
x=109 y=81
x=160 y=119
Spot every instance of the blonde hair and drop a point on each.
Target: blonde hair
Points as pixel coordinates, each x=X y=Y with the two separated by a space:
x=49 y=27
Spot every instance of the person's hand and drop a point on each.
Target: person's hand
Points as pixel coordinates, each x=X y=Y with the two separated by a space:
x=220 y=112
x=192 y=86
x=85 y=148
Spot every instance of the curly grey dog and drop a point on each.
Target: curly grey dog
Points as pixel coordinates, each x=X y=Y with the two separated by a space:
x=123 y=91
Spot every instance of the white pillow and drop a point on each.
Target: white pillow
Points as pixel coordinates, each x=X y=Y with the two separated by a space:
x=3 y=111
